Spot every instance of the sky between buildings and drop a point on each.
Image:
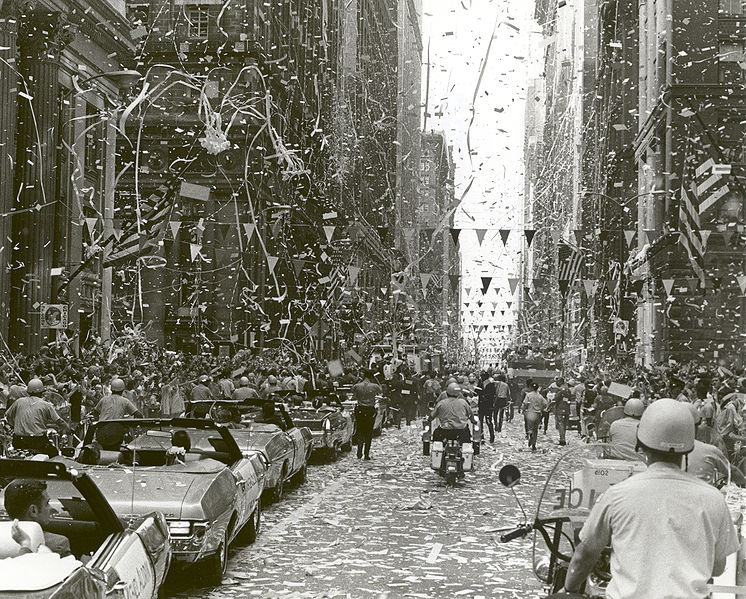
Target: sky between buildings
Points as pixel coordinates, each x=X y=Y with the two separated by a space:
x=458 y=34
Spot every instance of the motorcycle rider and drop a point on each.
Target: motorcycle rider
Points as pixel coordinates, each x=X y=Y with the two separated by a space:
x=671 y=532
x=31 y=417
x=454 y=414
x=623 y=432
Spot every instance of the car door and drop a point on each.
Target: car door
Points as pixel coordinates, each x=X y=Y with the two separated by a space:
x=124 y=560
x=247 y=483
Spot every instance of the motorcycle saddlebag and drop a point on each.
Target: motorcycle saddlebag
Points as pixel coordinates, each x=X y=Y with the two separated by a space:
x=467 y=451
x=436 y=454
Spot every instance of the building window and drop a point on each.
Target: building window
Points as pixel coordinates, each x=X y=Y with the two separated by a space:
x=731 y=7
x=198 y=18
x=730 y=61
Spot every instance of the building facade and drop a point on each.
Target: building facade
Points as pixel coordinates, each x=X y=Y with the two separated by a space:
x=62 y=61
x=439 y=265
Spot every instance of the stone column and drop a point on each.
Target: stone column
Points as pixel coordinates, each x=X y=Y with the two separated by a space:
x=8 y=123
x=42 y=35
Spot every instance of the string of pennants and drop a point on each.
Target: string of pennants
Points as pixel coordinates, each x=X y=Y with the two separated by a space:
x=591 y=286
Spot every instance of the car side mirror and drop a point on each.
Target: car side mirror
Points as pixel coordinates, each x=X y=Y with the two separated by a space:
x=509 y=475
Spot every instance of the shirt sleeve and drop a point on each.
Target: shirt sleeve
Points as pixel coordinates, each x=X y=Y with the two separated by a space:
x=727 y=538
x=597 y=529
x=10 y=414
x=131 y=408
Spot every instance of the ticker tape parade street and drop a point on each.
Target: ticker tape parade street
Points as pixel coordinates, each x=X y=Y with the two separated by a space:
x=372 y=299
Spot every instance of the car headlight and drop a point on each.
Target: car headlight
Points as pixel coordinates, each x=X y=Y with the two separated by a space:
x=180 y=528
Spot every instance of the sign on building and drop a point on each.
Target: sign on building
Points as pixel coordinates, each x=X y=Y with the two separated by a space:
x=54 y=316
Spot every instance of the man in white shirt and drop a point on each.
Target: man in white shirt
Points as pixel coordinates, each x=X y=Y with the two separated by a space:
x=670 y=533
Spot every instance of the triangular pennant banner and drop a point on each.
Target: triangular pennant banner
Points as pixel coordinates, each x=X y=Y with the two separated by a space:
x=298 y=265
x=563 y=285
x=194 y=249
x=590 y=287
x=668 y=285
x=329 y=232
x=480 y=235
x=504 y=234
x=629 y=236
x=425 y=279
x=249 y=229
x=650 y=236
x=91 y=224
x=486 y=284
x=272 y=262
x=742 y=283
x=454 y=234
x=175 y=226
x=529 y=233
x=513 y=285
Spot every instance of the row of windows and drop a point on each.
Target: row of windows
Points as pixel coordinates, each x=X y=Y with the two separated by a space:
x=732 y=7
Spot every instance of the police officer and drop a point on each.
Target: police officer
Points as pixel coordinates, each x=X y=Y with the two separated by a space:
x=454 y=415
x=244 y=392
x=364 y=393
x=116 y=406
x=201 y=392
x=707 y=462
x=623 y=432
x=31 y=417
x=671 y=532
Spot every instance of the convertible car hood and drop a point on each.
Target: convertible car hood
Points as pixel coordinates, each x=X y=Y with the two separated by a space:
x=176 y=494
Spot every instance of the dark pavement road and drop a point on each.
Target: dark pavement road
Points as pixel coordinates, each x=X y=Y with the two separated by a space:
x=389 y=527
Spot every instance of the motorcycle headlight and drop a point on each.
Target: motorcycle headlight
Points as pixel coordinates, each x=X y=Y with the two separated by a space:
x=180 y=528
x=327 y=425
x=541 y=569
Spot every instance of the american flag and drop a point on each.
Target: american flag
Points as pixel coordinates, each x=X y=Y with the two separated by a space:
x=701 y=191
x=157 y=209
x=570 y=262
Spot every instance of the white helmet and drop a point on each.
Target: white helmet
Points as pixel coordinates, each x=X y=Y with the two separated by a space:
x=453 y=390
x=667 y=426
x=634 y=407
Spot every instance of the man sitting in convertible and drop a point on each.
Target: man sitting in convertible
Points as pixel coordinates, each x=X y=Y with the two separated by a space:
x=27 y=500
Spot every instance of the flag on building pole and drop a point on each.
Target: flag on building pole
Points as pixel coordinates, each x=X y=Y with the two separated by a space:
x=156 y=215
x=570 y=264
x=701 y=191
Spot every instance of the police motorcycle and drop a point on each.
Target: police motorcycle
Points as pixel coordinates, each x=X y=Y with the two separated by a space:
x=450 y=458
x=574 y=484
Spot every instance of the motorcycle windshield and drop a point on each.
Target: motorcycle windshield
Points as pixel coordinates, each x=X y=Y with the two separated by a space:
x=573 y=485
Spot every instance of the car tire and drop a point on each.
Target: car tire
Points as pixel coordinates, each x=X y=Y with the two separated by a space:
x=301 y=475
x=347 y=446
x=254 y=524
x=279 y=489
x=248 y=533
x=216 y=565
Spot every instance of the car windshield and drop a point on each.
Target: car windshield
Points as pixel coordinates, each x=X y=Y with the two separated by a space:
x=160 y=444
x=239 y=414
